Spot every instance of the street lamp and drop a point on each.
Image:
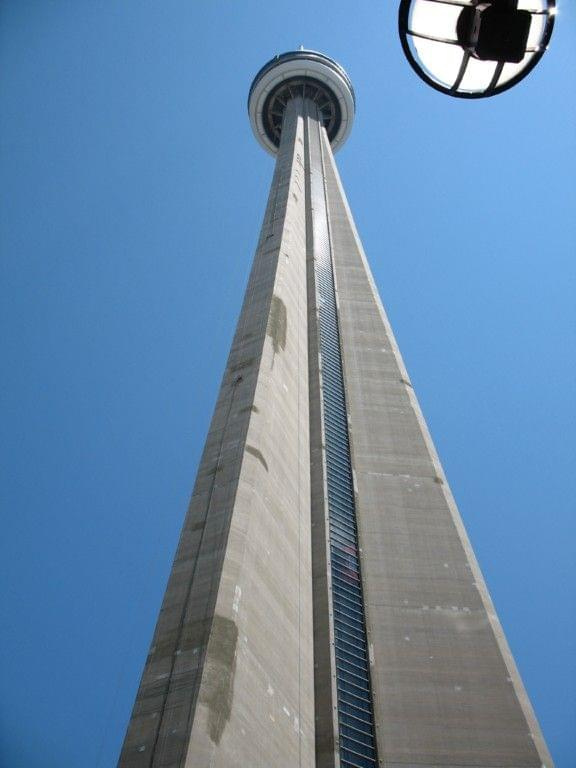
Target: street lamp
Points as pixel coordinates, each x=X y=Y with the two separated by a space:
x=471 y=48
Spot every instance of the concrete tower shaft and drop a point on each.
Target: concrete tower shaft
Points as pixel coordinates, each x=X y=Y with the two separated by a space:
x=324 y=609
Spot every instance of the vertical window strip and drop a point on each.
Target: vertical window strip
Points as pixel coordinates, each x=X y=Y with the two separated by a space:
x=357 y=741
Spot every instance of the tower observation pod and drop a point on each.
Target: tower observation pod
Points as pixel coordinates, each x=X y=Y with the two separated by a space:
x=307 y=74
x=324 y=608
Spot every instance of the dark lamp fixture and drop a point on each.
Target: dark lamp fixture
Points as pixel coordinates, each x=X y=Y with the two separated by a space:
x=494 y=31
x=473 y=49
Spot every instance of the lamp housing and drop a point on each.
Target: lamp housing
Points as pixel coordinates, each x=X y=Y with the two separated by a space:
x=474 y=48
x=494 y=32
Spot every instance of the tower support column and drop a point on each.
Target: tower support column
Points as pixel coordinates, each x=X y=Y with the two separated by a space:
x=229 y=680
x=446 y=691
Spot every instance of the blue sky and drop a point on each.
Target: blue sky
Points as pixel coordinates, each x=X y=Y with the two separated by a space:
x=132 y=194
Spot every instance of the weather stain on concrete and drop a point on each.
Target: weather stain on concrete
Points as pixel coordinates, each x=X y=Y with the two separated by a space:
x=277 y=324
x=219 y=670
x=242 y=364
x=255 y=452
x=252 y=408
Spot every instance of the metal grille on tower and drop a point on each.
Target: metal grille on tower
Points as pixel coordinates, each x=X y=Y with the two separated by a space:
x=355 y=713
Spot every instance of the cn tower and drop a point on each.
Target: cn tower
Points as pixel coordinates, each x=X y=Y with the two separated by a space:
x=325 y=608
